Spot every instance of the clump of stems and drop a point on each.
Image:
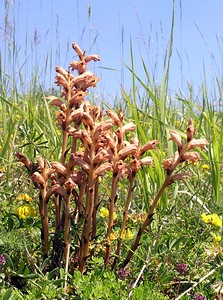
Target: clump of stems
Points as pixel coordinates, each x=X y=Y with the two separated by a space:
x=94 y=145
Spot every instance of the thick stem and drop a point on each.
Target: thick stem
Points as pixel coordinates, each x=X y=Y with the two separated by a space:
x=125 y=218
x=64 y=145
x=67 y=237
x=85 y=239
x=94 y=217
x=44 y=218
x=148 y=220
x=81 y=196
x=111 y=218
x=66 y=124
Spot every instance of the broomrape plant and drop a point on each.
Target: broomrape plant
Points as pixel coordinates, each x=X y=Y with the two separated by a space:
x=94 y=147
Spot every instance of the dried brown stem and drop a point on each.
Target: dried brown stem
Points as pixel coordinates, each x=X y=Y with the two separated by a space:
x=148 y=220
x=125 y=218
x=43 y=207
x=85 y=240
x=111 y=217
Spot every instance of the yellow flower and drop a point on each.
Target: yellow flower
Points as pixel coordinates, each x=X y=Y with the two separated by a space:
x=23 y=197
x=113 y=236
x=126 y=234
x=25 y=211
x=205 y=167
x=129 y=235
x=216 y=220
x=104 y=212
x=217 y=238
x=212 y=219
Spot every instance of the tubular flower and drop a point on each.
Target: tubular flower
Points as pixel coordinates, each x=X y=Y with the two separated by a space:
x=190 y=130
x=212 y=219
x=201 y=143
x=151 y=145
x=174 y=136
x=169 y=162
x=179 y=176
x=191 y=156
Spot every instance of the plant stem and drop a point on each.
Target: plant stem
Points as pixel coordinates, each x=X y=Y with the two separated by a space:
x=125 y=218
x=111 y=217
x=67 y=237
x=44 y=218
x=85 y=240
x=148 y=220
x=94 y=218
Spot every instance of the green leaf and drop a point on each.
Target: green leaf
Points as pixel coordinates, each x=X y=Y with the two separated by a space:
x=9 y=261
x=8 y=295
x=31 y=276
x=21 y=267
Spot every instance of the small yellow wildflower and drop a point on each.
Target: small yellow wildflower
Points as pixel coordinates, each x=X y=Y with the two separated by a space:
x=216 y=220
x=126 y=234
x=205 y=167
x=17 y=117
x=138 y=217
x=217 y=238
x=177 y=123
x=212 y=219
x=113 y=236
x=101 y=248
x=129 y=235
x=24 y=197
x=25 y=211
x=104 y=212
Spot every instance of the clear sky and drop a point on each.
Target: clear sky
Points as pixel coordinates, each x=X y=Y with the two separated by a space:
x=44 y=27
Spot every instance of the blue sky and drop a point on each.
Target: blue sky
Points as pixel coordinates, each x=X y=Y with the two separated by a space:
x=106 y=27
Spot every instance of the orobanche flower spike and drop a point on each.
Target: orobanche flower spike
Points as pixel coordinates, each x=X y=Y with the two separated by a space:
x=95 y=147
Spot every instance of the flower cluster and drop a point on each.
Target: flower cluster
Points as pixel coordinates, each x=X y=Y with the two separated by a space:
x=184 y=152
x=182 y=268
x=2 y=259
x=94 y=144
x=199 y=297
x=122 y=273
x=212 y=219
x=126 y=234
x=104 y=213
x=25 y=211
x=137 y=217
x=24 y=197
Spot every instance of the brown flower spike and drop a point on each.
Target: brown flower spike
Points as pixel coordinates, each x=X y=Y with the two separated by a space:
x=94 y=146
